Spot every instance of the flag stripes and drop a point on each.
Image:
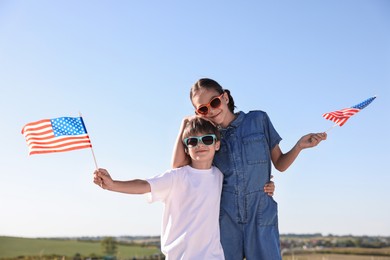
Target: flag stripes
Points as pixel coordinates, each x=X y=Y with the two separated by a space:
x=341 y=116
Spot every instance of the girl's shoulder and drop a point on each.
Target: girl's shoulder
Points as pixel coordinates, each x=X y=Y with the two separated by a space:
x=256 y=112
x=259 y=114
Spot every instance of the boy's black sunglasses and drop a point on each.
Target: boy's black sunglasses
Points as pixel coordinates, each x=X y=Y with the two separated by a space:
x=193 y=141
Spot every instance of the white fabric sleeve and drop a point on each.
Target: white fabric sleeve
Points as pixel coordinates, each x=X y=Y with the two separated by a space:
x=161 y=186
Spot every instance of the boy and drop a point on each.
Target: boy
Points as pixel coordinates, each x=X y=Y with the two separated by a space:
x=191 y=194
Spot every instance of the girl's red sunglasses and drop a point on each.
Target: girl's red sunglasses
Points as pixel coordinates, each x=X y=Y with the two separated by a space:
x=214 y=103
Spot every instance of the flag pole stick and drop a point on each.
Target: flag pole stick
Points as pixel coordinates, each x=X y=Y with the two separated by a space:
x=331 y=128
x=94 y=158
x=93 y=153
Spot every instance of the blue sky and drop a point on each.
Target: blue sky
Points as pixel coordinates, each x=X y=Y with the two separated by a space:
x=127 y=66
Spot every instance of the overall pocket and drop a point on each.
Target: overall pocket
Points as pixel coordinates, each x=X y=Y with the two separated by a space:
x=255 y=148
x=267 y=214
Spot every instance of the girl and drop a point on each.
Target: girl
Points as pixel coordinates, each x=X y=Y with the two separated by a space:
x=249 y=143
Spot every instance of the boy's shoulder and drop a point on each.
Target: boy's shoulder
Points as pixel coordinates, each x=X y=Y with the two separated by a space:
x=216 y=170
x=188 y=169
x=181 y=170
x=172 y=172
x=178 y=170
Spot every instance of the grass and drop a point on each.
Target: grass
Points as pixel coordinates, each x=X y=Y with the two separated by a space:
x=342 y=254
x=334 y=257
x=13 y=247
x=16 y=246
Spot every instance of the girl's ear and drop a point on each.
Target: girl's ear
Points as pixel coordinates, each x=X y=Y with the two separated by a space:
x=226 y=97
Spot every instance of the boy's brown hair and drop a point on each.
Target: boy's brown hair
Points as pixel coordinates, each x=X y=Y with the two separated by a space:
x=199 y=125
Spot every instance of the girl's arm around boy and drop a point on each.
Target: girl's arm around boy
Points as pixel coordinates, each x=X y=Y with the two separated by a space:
x=103 y=179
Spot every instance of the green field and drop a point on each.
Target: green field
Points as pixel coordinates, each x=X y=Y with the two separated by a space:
x=334 y=257
x=14 y=246
x=342 y=254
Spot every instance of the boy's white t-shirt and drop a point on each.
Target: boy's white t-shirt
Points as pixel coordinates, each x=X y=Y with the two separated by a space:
x=190 y=223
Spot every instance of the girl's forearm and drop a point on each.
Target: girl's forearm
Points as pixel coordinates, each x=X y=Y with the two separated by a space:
x=288 y=158
x=283 y=161
x=179 y=157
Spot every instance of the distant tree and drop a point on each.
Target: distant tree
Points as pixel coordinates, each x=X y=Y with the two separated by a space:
x=109 y=246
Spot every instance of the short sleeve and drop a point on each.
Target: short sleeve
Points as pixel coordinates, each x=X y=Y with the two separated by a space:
x=161 y=186
x=272 y=135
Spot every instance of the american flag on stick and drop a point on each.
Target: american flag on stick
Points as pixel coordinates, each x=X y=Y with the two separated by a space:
x=56 y=135
x=341 y=116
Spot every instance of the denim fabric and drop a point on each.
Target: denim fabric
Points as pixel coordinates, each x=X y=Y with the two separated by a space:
x=248 y=216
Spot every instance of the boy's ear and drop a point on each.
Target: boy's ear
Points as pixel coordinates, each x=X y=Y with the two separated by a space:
x=217 y=145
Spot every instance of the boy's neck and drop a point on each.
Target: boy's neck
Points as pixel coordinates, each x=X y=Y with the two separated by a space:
x=201 y=165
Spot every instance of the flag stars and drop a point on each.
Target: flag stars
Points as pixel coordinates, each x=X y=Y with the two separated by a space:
x=67 y=126
x=364 y=103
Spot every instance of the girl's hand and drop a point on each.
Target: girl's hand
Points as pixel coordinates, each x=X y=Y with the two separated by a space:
x=311 y=140
x=190 y=117
x=269 y=188
x=186 y=119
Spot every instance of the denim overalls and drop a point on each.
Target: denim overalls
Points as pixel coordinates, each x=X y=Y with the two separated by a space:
x=248 y=216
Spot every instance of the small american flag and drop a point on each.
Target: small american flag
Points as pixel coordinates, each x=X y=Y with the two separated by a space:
x=341 y=116
x=56 y=135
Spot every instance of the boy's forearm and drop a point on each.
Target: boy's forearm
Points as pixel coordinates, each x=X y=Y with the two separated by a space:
x=130 y=187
